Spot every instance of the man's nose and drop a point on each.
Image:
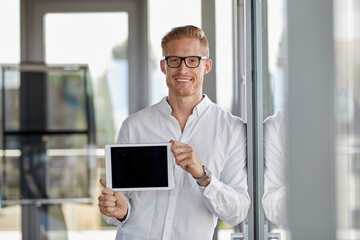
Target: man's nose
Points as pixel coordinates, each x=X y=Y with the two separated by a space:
x=183 y=66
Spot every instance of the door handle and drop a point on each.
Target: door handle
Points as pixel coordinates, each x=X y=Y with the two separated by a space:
x=270 y=235
x=243 y=236
x=236 y=236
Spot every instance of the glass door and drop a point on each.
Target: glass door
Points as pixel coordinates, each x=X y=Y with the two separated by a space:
x=268 y=86
x=347 y=117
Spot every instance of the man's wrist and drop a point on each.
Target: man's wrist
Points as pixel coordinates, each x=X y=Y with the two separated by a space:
x=202 y=174
x=205 y=182
x=206 y=178
x=123 y=218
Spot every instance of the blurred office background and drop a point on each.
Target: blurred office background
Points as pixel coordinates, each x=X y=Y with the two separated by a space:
x=72 y=71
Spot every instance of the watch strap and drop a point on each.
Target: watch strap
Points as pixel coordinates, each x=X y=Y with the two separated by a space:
x=206 y=176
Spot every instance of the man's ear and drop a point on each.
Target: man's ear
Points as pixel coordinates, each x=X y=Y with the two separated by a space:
x=162 y=66
x=208 y=66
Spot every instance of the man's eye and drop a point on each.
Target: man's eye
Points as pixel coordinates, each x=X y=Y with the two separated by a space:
x=173 y=60
x=192 y=60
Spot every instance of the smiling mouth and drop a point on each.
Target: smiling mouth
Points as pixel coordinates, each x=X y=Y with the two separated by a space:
x=183 y=80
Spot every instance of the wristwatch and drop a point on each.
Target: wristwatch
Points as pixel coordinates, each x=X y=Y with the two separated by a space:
x=208 y=175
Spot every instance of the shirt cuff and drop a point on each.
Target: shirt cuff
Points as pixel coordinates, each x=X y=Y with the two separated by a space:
x=212 y=188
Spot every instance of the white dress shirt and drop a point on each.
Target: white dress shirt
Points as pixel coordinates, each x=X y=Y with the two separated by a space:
x=189 y=211
x=274 y=198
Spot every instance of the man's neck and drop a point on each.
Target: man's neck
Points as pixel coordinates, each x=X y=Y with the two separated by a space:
x=182 y=107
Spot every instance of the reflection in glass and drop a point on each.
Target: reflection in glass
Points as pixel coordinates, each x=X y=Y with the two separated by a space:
x=48 y=129
x=34 y=172
x=64 y=95
x=274 y=197
x=347 y=89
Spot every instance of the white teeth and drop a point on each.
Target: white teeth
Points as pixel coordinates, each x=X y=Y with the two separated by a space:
x=183 y=80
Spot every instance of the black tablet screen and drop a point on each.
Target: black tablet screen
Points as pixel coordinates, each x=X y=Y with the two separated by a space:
x=136 y=167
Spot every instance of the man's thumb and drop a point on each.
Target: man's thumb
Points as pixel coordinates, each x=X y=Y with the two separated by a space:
x=103 y=182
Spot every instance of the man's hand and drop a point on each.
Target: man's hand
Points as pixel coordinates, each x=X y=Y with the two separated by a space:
x=186 y=158
x=111 y=203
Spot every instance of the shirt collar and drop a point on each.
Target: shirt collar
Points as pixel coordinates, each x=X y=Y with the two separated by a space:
x=198 y=109
x=201 y=107
x=165 y=107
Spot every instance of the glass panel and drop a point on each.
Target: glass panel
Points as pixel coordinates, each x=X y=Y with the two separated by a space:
x=224 y=54
x=65 y=98
x=10 y=31
x=55 y=172
x=10 y=216
x=347 y=88
x=274 y=68
x=37 y=154
x=10 y=222
x=158 y=11
x=99 y=40
x=65 y=108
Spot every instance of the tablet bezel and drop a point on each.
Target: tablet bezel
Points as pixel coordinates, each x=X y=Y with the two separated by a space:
x=170 y=166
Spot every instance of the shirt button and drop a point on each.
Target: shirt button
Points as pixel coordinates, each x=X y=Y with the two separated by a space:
x=173 y=193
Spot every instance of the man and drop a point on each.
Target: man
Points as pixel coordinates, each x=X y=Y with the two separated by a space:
x=205 y=139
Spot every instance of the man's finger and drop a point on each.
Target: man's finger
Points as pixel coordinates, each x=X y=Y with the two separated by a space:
x=107 y=204
x=182 y=163
x=181 y=149
x=176 y=144
x=182 y=156
x=107 y=191
x=107 y=210
x=107 y=197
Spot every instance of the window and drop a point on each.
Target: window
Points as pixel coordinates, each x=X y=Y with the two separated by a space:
x=224 y=54
x=10 y=53
x=347 y=116
x=99 y=40
x=162 y=19
x=10 y=31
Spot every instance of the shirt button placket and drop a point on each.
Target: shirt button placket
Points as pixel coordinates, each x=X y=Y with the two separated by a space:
x=171 y=208
x=188 y=128
x=169 y=216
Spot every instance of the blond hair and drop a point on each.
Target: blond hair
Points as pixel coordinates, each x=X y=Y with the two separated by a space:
x=187 y=31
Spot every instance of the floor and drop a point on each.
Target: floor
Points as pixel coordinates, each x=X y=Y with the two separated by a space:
x=95 y=235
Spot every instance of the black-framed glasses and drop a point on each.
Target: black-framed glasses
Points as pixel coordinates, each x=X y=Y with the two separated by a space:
x=190 y=61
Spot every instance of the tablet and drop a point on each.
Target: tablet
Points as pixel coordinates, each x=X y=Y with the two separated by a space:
x=136 y=167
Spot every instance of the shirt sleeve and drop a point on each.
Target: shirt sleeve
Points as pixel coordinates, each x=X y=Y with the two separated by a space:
x=227 y=197
x=274 y=198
